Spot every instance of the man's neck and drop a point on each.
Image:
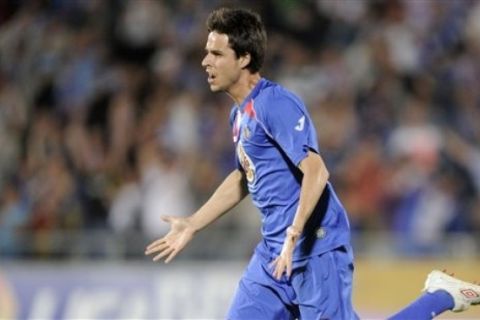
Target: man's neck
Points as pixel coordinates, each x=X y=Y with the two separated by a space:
x=243 y=87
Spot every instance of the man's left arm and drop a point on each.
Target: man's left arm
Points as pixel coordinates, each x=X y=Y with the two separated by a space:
x=315 y=177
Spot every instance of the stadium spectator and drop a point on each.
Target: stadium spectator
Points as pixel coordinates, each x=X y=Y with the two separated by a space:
x=77 y=79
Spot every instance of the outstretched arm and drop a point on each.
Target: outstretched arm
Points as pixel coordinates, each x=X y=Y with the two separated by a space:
x=230 y=192
x=315 y=177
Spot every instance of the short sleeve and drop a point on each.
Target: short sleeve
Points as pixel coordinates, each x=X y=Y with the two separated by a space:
x=288 y=123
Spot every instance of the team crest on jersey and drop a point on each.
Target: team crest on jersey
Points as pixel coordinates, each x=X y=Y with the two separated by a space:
x=246 y=163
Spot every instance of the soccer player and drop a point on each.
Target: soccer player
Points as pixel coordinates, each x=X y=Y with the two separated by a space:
x=302 y=268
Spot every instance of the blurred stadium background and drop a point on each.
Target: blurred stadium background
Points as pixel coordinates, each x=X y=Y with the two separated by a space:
x=106 y=122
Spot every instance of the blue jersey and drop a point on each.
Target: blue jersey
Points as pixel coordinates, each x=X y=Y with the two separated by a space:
x=273 y=133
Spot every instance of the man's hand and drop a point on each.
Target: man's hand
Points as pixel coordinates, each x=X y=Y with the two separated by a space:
x=181 y=232
x=284 y=261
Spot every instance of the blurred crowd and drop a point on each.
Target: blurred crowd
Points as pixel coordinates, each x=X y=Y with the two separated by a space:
x=106 y=120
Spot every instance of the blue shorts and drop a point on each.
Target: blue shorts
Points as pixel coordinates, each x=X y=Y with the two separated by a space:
x=319 y=288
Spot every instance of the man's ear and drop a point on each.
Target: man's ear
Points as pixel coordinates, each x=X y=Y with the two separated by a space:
x=245 y=60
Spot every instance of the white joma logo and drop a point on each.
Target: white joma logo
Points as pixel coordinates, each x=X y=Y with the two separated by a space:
x=301 y=124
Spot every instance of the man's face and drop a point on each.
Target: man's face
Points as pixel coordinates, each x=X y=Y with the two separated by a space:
x=220 y=62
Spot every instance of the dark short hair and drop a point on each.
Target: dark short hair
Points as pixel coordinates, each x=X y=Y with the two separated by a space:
x=246 y=33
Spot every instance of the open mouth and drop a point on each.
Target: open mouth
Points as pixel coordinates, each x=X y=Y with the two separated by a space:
x=211 y=77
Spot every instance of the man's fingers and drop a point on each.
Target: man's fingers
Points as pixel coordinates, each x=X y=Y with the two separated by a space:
x=273 y=264
x=156 y=243
x=164 y=253
x=171 y=256
x=279 y=267
x=279 y=271
x=289 y=269
x=167 y=218
x=160 y=247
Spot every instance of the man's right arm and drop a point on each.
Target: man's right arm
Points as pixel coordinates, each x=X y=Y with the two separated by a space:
x=230 y=192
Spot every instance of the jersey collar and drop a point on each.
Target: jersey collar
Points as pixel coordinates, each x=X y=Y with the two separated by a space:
x=252 y=93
